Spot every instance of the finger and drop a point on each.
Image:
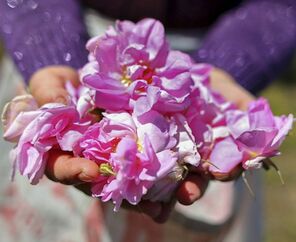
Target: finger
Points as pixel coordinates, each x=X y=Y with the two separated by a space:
x=232 y=175
x=204 y=171
x=48 y=84
x=64 y=168
x=192 y=189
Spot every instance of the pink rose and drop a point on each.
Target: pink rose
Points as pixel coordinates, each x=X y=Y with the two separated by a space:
x=132 y=154
x=53 y=125
x=131 y=68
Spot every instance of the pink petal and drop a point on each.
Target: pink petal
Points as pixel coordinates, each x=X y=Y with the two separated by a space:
x=225 y=156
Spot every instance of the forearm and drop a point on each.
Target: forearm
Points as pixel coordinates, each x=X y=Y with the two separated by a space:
x=42 y=33
x=252 y=43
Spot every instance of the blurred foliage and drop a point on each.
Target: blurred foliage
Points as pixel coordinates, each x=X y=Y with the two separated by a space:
x=1 y=50
x=280 y=200
x=289 y=76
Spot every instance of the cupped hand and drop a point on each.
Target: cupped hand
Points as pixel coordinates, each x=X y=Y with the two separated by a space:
x=224 y=84
x=48 y=85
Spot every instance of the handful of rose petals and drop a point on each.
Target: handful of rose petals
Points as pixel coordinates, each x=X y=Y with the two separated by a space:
x=160 y=117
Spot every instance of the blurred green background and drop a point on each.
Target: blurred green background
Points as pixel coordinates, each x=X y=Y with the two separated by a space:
x=280 y=200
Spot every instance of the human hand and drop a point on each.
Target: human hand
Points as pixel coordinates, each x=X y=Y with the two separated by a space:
x=224 y=84
x=194 y=186
x=48 y=85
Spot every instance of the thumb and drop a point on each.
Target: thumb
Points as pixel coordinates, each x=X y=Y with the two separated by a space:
x=48 y=84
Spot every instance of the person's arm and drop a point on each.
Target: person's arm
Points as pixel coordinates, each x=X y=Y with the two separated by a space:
x=41 y=33
x=252 y=43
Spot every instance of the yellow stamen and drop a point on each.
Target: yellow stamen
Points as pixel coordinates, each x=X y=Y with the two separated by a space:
x=106 y=170
x=253 y=154
x=140 y=146
x=126 y=81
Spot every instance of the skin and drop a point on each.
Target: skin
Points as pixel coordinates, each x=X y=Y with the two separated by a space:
x=47 y=85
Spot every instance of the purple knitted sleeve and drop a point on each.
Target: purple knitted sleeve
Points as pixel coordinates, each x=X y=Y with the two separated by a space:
x=253 y=42
x=38 y=33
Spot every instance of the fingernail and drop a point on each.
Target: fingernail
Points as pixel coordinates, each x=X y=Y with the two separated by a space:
x=193 y=191
x=193 y=196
